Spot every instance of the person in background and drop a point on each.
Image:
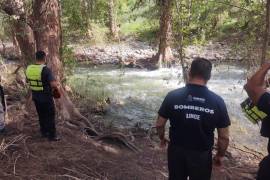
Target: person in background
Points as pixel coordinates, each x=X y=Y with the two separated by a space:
x=256 y=90
x=2 y=109
x=194 y=113
x=43 y=84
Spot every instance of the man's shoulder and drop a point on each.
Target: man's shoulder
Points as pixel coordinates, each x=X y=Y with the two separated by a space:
x=215 y=96
x=46 y=70
x=177 y=91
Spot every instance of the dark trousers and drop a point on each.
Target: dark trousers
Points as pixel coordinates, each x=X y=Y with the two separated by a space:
x=264 y=169
x=184 y=163
x=46 y=114
x=264 y=166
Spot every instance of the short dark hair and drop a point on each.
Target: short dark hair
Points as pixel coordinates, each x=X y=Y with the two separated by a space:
x=201 y=67
x=40 y=55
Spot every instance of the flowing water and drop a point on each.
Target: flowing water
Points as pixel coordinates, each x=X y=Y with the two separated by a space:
x=136 y=96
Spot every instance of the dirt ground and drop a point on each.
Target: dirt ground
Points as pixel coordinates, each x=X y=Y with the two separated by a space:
x=25 y=155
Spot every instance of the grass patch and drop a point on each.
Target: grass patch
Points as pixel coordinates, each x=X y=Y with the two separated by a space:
x=141 y=28
x=90 y=89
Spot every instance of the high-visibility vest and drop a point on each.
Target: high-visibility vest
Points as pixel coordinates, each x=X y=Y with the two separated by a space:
x=33 y=75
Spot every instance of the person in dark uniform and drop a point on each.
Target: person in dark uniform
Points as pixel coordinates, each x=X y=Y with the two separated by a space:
x=256 y=89
x=2 y=110
x=42 y=83
x=194 y=113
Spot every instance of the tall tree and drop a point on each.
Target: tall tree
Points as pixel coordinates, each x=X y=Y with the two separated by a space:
x=112 y=20
x=164 y=55
x=266 y=34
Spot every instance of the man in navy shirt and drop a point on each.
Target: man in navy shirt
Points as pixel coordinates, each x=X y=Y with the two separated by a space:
x=194 y=113
x=256 y=89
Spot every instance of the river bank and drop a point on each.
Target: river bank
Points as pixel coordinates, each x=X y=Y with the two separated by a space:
x=132 y=53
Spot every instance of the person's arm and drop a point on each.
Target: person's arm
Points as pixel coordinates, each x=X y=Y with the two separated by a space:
x=160 y=125
x=255 y=86
x=223 y=141
x=223 y=132
x=163 y=116
x=222 y=144
x=53 y=83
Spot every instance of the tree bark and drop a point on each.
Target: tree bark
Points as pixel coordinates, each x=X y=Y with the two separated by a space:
x=266 y=34
x=180 y=39
x=47 y=33
x=22 y=30
x=26 y=41
x=112 y=21
x=164 y=55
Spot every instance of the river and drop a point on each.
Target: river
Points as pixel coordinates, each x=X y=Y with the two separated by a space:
x=136 y=95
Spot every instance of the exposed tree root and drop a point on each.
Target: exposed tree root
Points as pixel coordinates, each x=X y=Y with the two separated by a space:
x=118 y=138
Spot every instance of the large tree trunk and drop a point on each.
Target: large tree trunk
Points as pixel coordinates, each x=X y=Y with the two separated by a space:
x=26 y=41
x=112 y=21
x=266 y=35
x=22 y=30
x=47 y=33
x=164 y=55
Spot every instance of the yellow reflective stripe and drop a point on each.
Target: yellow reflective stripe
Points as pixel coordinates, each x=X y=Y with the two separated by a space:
x=261 y=114
x=254 y=114
x=33 y=83
x=36 y=88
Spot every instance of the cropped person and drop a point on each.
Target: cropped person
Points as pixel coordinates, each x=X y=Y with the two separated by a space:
x=256 y=89
x=194 y=113
x=43 y=84
x=2 y=109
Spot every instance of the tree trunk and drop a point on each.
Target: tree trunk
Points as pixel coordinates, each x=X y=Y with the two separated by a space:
x=47 y=33
x=25 y=37
x=164 y=55
x=179 y=38
x=112 y=21
x=22 y=30
x=266 y=35
x=16 y=43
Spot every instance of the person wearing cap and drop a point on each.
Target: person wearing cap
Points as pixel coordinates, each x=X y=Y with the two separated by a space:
x=257 y=92
x=194 y=113
x=42 y=84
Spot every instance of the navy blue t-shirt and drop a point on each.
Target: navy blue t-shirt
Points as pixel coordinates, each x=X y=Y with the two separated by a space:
x=194 y=113
x=46 y=94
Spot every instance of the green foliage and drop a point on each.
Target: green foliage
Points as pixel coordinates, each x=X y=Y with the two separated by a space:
x=201 y=20
x=92 y=90
x=141 y=28
x=89 y=18
x=68 y=59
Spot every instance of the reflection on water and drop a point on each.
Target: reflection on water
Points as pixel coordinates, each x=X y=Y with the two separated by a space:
x=137 y=95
